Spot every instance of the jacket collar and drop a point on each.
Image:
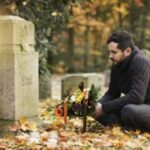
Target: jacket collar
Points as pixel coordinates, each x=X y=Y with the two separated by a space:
x=125 y=63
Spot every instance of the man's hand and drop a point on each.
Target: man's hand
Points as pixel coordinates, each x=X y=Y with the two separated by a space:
x=98 y=110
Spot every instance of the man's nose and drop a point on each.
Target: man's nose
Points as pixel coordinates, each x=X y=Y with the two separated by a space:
x=110 y=56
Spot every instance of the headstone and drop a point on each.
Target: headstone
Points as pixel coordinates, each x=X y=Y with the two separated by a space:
x=18 y=69
x=107 y=77
x=73 y=80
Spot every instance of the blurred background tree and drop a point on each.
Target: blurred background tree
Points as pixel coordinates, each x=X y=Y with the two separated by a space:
x=71 y=34
x=82 y=43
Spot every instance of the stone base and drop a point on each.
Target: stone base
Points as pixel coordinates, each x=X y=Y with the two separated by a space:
x=4 y=126
x=4 y=130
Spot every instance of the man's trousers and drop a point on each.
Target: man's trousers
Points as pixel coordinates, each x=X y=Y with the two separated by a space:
x=132 y=116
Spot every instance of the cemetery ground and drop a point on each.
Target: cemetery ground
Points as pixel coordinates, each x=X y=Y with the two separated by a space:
x=51 y=133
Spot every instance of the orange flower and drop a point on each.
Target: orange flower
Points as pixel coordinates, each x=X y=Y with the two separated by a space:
x=58 y=111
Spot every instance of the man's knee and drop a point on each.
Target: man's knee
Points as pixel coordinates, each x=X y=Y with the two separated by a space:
x=128 y=113
x=136 y=116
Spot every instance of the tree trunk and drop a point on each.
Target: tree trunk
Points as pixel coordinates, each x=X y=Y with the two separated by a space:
x=144 y=23
x=71 y=45
x=133 y=17
x=86 y=47
x=119 y=16
x=71 y=49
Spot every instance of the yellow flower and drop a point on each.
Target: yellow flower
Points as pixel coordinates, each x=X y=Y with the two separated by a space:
x=79 y=96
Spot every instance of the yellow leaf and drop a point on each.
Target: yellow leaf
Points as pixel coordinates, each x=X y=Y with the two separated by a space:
x=45 y=113
x=22 y=120
x=33 y=126
x=122 y=9
x=116 y=131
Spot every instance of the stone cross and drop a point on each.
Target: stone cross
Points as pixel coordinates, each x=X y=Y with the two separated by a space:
x=18 y=69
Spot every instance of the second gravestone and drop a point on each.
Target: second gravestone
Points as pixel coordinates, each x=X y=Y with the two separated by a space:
x=73 y=80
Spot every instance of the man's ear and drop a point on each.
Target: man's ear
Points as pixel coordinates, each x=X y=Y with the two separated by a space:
x=127 y=51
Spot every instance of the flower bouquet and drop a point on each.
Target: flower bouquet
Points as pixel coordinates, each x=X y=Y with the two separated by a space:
x=80 y=102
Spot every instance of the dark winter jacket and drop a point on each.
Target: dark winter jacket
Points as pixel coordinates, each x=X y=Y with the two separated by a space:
x=130 y=77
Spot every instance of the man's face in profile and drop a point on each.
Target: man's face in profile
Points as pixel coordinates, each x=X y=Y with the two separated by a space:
x=115 y=54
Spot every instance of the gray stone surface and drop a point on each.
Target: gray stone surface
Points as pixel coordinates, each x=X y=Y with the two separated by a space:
x=56 y=87
x=16 y=34
x=107 y=77
x=26 y=84
x=18 y=69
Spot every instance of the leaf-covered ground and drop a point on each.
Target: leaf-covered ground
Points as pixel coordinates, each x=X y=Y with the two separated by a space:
x=53 y=134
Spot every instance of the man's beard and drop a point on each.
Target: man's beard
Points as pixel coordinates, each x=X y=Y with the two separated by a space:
x=114 y=62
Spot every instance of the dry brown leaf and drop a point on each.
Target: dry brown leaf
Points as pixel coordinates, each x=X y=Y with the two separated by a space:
x=59 y=123
x=147 y=135
x=118 y=144
x=67 y=133
x=14 y=127
x=22 y=139
x=107 y=143
x=141 y=138
x=137 y=132
x=3 y=147
x=50 y=128
x=44 y=136
x=25 y=127
x=63 y=139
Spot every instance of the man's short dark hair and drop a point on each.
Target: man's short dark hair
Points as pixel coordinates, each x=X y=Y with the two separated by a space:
x=123 y=38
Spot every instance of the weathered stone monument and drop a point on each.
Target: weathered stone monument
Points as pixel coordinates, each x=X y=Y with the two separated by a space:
x=72 y=81
x=107 y=77
x=18 y=69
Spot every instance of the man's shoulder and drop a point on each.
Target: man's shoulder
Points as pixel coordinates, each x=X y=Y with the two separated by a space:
x=140 y=63
x=140 y=58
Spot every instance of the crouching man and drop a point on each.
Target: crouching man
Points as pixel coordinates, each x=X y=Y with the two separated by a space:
x=130 y=75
